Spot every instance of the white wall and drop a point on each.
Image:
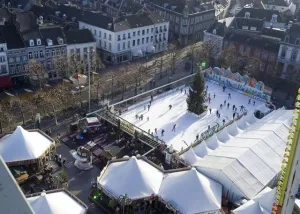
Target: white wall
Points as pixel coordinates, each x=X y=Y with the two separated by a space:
x=113 y=41
x=81 y=47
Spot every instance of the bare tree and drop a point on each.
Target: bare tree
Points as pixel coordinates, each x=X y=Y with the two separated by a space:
x=5 y=115
x=61 y=66
x=173 y=55
x=227 y=57
x=192 y=53
x=37 y=72
x=22 y=106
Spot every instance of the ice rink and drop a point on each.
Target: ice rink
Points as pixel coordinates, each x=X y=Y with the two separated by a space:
x=188 y=125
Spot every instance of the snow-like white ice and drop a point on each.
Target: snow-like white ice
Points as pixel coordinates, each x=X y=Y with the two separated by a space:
x=188 y=125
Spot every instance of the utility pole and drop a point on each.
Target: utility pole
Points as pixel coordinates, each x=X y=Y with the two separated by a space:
x=89 y=71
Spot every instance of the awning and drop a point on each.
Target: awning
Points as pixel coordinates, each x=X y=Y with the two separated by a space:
x=138 y=53
x=150 y=49
x=5 y=81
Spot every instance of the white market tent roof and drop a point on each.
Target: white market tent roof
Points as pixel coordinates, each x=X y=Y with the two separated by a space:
x=23 y=145
x=191 y=192
x=190 y=157
x=261 y=203
x=251 y=160
x=201 y=149
x=55 y=203
x=134 y=177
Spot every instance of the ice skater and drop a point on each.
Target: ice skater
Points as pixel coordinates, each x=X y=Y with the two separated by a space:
x=233 y=115
x=208 y=99
x=148 y=118
x=170 y=107
x=233 y=107
x=210 y=110
x=151 y=97
x=253 y=103
x=224 y=87
x=206 y=87
x=224 y=102
x=217 y=113
x=155 y=130
x=149 y=131
x=249 y=101
x=214 y=95
x=148 y=107
x=228 y=104
x=150 y=102
x=174 y=128
x=136 y=116
x=221 y=106
x=241 y=108
x=197 y=137
x=223 y=122
x=162 y=132
x=229 y=96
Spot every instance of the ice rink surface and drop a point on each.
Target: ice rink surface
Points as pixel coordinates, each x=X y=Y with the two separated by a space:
x=188 y=125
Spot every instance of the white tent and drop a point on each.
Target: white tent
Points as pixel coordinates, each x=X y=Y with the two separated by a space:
x=201 y=149
x=233 y=129
x=250 y=161
x=79 y=79
x=213 y=142
x=251 y=119
x=190 y=157
x=242 y=124
x=24 y=145
x=55 y=203
x=223 y=135
x=191 y=192
x=134 y=177
x=262 y=201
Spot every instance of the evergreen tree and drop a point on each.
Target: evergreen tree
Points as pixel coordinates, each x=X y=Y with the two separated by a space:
x=196 y=98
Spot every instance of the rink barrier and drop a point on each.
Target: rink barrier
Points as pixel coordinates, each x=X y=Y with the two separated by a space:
x=208 y=133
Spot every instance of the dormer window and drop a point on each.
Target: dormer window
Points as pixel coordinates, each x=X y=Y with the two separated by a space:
x=287 y=39
x=49 y=42
x=247 y=15
x=274 y=18
x=31 y=42
x=38 y=42
x=60 y=41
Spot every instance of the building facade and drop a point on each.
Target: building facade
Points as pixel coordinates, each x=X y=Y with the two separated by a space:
x=187 y=20
x=126 y=38
x=3 y=58
x=283 y=6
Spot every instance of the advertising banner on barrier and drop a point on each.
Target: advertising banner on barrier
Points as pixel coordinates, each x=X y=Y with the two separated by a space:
x=249 y=86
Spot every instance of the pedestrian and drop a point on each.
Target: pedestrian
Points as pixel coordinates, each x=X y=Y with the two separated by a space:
x=148 y=118
x=253 y=103
x=170 y=106
x=229 y=96
x=221 y=106
x=233 y=107
x=210 y=110
x=208 y=127
x=214 y=95
x=223 y=122
x=224 y=87
x=144 y=108
x=249 y=101
x=233 y=115
x=241 y=108
x=155 y=130
x=208 y=99
x=184 y=91
x=228 y=104
x=150 y=102
x=197 y=137
x=181 y=90
x=224 y=102
x=149 y=131
x=142 y=117
x=162 y=132
x=217 y=112
x=148 y=107
x=151 y=97
x=136 y=116
x=120 y=111
x=174 y=127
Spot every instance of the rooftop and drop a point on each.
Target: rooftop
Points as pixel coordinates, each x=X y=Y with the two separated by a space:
x=53 y=33
x=280 y=3
x=260 y=14
x=294 y=33
x=79 y=36
x=12 y=37
x=219 y=27
x=273 y=32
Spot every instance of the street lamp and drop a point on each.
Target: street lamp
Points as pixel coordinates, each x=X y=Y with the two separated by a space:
x=124 y=200
x=89 y=72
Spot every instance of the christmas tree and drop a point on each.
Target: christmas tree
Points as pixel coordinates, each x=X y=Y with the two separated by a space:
x=196 y=98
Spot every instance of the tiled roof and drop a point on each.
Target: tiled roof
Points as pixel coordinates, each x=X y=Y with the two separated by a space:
x=53 y=33
x=79 y=36
x=12 y=37
x=261 y=14
x=273 y=32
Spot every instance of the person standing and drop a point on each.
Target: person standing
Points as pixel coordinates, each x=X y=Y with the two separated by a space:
x=148 y=107
x=155 y=130
x=162 y=132
x=253 y=103
x=210 y=110
x=170 y=106
x=229 y=96
x=174 y=127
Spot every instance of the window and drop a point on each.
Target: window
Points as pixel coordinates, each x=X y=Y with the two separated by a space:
x=148 y=30
x=143 y=40
x=38 y=42
x=147 y=39
x=119 y=37
x=11 y=59
x=133 y=43
x=105 y=45
x=271 y=57
x=109 y=37
x=138 y=33
x=31 y=42
x=287 y=39
x=63 y=51
x=143 y=32
x=57 y=51
x=119 y=47
x=283 y=53
x=262 y=67
x=160 y=29
x=30 y=55
x=41 y=54
x=99 y=33
x=151 y=30
x=128 y=36
x=151 y=39
x=95 y=32
x=297 y=42
x=134 y=33
x=109 y=46
x=124 y=36
x=104 y=35
x=48 y=53
x=138 y=42
x=156 y=29
x=124 y=45
x=53 y=52
x=294 y=55
x=128 y=44
x=24 y=58
x=18 y=59
x=12 y=69
x=36 y=55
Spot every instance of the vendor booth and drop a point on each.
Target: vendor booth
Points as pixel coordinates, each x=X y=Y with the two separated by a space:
x=79 y=79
